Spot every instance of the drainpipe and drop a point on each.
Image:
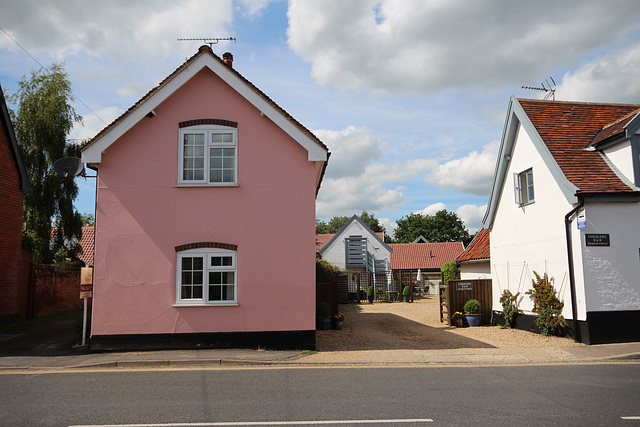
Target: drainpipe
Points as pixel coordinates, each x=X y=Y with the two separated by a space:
x=572 y=280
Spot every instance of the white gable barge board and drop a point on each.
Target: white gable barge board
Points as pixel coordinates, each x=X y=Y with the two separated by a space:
x=93 y=153
x=517 y=120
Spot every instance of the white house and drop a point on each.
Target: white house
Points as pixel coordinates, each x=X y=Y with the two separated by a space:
x=356 y=248
x=565 y=201
x=475 y=261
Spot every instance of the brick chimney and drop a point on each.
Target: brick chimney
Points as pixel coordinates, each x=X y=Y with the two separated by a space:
x=227 y=58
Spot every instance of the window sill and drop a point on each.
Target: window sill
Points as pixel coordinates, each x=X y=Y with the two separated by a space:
x=204 y=184
x=204 y=304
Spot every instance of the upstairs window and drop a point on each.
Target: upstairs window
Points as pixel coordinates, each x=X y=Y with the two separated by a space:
x=523 y=182
x=208 y=155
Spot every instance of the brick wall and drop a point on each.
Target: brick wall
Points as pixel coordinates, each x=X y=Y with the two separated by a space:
x=55 y=290
x=11 y=199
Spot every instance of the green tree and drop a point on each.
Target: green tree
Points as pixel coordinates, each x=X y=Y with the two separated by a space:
x=43 y=120
x=88 y=219
x=337 y=222
x=444 y=226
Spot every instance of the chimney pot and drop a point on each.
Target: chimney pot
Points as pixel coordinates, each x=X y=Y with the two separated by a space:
x=227 y=58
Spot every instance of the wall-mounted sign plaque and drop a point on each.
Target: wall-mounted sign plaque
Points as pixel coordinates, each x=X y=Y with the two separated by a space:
x=597 y=240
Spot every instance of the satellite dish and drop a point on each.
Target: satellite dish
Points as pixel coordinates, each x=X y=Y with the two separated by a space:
x=68 y=166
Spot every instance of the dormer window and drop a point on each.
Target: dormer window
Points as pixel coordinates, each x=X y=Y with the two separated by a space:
x=208 y=155
x=523 y=183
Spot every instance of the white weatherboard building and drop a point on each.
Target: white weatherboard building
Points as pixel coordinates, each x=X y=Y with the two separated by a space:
x=565 y=201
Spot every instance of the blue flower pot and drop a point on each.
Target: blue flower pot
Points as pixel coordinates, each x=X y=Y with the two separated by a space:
x=405 y=298
x=473 y=319
x=323 y=323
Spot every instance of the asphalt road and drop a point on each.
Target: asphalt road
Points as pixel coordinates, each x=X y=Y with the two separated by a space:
x=511 y=395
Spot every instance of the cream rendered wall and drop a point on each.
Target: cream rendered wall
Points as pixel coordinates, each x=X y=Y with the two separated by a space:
x=142 y=216
x=475 y=270
x=532 y=237
x=620 y=155
x=335 y=253
x=612 y=273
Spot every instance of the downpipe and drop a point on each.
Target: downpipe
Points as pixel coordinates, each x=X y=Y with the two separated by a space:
x=572 y=279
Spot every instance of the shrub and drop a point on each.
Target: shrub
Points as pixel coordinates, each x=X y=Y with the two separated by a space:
x=325 y=271
x=450 y=271
x=547 y=305
x=472 y=307
x=406 y=291
x=323 y=309
x=370 y=291
x=509 y=308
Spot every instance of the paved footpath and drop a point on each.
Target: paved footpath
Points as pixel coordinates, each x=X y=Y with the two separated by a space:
x=29 y=350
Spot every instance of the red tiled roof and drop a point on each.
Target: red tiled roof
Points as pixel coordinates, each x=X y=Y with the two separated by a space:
x=323 y=239
x=426 y=256
x=201 y=51
x=478 y=249
x=567 y=128
x=87 y=242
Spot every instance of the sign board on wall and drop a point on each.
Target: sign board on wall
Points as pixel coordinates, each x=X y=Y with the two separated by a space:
x=582 y=220
x=597 y=240
x=86 y=282
x=464 y=286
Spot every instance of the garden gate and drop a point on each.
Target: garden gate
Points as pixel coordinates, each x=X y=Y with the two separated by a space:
x=455 y=293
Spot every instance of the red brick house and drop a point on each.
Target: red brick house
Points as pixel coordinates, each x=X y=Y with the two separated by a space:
x=13 y=183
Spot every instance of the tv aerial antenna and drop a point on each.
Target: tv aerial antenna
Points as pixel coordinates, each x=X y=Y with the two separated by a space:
x=208 y=40
x=549 y=88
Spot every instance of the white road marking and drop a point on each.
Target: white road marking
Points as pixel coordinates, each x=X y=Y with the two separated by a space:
x=631 y=418
x=269 y=423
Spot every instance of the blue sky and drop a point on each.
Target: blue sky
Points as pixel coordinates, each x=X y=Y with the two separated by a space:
x=409 y=95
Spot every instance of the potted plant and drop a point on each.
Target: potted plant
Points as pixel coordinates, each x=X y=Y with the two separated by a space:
x=337 y=320
x=370 y=294
x=406 y=293
x=473 y=312
x=323 y=316
x=458 y=319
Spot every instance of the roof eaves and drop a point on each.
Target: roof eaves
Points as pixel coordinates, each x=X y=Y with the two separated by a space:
x=317 y=150
x=5 y=118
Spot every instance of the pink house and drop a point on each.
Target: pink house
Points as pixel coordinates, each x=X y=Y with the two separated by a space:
x=205 y=217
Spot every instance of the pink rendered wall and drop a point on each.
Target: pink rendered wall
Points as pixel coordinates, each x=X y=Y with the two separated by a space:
x=142 y=215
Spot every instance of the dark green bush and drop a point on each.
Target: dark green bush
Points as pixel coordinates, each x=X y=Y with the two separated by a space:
x=323 y=309
x=472 y=307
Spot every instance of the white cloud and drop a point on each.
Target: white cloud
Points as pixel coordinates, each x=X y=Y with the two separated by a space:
x=610 y=78
x=432 y=209
x=472 y=174
x=253 y=8
x=358 y=179
x=92 y=124
x=471 y=215
x=417 y=46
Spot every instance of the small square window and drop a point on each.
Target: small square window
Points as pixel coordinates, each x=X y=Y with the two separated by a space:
x=219 y=167
x=523 y=184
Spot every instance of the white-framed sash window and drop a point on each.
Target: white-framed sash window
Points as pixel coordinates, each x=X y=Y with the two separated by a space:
x=208 y=156
x=206 y=276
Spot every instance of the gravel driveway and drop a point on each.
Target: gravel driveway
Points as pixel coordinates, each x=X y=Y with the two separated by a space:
x=416 y=326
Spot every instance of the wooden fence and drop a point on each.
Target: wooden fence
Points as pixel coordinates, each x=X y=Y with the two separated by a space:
x=456 y=293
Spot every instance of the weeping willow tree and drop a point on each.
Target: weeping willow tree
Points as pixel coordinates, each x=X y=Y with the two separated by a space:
x=42 y=121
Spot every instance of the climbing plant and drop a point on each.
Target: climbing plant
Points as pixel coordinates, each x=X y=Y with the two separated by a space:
x=510 y=308
x=547 y=305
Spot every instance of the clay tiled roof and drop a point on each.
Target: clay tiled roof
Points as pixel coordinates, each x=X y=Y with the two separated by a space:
x=87 y=242
x=567 y=128
x=323 y=239
x=426 y=256
x=478 y=249
x=202 y=51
